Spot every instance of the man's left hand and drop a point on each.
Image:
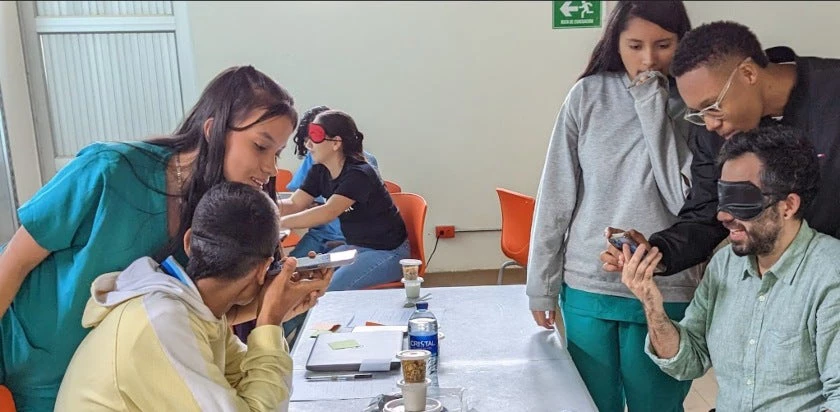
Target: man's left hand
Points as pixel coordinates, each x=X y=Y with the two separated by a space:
x=637 y=274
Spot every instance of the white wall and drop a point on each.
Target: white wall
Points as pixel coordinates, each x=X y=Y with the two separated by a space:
x=810 y=27
x=455 y=98
x=17 y=106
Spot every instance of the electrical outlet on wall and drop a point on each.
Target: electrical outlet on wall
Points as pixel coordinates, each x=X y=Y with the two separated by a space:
x=444 y=232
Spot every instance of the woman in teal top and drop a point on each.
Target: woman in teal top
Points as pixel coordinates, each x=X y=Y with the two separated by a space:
x=116 y=202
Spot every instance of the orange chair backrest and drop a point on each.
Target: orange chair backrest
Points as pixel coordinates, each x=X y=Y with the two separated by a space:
x=7 y=404
x=517 y=217
x=283 y=178
x=413 y=210
x=392 y=187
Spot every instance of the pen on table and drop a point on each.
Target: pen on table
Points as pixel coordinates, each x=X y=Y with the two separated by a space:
x=340 y=377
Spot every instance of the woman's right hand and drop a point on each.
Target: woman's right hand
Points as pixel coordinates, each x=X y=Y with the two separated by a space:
x=21 y=256
x=544 y=318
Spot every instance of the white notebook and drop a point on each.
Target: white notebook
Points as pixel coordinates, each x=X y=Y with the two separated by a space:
x=376 y=351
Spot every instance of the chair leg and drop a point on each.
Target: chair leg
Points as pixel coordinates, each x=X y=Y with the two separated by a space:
x=502 y=270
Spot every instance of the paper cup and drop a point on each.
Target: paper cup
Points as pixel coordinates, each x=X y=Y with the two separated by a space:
x=414 y=395
x=398 y=405
x=412 y=287
x=413 y=363
x=410 y=268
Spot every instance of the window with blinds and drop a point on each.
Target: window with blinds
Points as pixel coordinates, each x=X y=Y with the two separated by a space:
x=8 y=201
x=104 y=71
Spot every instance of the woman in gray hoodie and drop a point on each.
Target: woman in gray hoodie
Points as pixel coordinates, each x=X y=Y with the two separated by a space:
x=619 y=146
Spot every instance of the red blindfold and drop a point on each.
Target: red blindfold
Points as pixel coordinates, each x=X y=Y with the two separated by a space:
x=317 y=133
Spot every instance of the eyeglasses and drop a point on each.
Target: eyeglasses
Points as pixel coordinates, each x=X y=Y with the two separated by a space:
x=713 y=111
x=317 y=134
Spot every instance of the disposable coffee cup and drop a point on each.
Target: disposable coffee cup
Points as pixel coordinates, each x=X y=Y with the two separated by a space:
x=414 y=395
x=410 y=268
x=397 y=405
x=412 y=287
x=413 y=362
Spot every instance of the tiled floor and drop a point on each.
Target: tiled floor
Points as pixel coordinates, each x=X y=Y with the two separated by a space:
x=703 y=394
x=703 y=391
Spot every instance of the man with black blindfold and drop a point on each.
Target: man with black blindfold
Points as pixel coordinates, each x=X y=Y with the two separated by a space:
x=731 y=85
x=767 y=312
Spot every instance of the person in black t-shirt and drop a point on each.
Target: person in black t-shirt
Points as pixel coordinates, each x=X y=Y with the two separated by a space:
x=356 y=196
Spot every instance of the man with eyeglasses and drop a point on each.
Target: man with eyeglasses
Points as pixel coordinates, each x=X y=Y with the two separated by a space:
x=766 y=315
x=731 y=85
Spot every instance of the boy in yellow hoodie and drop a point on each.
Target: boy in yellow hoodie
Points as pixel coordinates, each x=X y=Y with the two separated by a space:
x=161 y=340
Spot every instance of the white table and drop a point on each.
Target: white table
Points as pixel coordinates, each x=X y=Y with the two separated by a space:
x=492 y=347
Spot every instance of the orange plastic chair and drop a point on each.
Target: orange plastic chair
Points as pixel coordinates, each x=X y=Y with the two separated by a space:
x=517 y=217
x=283 y=178
x=413 y=211
x=280 y=185
x=7 y=403
x=290 y=241
x=392 y=187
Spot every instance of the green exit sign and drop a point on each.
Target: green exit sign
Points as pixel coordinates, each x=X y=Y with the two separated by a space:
x=577 y=14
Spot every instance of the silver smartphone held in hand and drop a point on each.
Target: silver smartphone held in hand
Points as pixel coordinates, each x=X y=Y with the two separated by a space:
x=619 y=239
x=326 y=260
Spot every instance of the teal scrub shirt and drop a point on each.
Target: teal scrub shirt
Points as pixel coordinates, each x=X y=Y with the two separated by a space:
x=102 y=211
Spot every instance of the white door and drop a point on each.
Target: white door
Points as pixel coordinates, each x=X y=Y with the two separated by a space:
x=104 y=71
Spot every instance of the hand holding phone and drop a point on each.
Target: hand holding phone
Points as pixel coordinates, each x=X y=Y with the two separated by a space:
x=282 y=297
x=620 y=239
x=614 y=261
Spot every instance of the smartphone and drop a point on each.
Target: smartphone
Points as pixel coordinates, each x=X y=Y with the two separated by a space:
x=619 y=239
x=327 y=260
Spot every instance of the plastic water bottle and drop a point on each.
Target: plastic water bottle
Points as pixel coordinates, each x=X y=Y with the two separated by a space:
x=423 y=334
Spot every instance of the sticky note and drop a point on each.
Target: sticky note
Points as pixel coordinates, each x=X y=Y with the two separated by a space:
x=344 y=344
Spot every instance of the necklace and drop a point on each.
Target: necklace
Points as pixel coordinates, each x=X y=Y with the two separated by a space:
x=180 y=178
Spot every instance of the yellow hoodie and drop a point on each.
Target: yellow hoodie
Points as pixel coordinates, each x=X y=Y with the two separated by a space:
x=155 y=346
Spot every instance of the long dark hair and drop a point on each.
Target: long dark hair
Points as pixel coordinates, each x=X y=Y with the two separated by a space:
x=670 y=15
x=235 y=229
x=228 y=99
x=338 y=123
x=303 y=129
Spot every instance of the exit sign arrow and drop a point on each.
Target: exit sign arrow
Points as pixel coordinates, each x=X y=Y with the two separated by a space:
x=576 y=14
x=567 y=8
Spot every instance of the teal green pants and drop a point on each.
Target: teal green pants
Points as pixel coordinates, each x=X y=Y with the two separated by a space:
x=609 y=354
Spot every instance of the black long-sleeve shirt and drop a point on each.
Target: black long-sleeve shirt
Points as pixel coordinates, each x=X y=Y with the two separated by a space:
x=814 y=108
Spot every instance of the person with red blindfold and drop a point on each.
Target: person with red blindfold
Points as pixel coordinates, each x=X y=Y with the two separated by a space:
x=322 y=238
x=356 y=196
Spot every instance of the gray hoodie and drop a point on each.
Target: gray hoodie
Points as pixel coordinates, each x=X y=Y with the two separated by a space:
x=618 y=156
